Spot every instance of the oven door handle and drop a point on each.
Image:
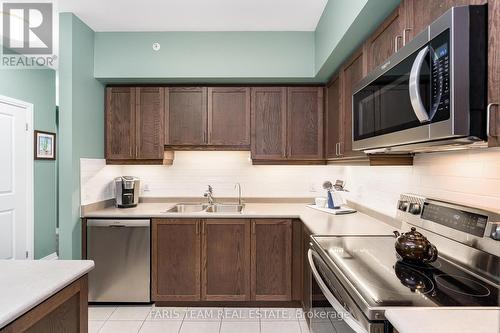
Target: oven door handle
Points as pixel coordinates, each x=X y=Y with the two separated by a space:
x=414 y=87
x=346 y=316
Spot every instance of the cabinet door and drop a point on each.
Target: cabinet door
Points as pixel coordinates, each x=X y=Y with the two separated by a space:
x=268 y=123
x=352 y=73
x=149 y=122
x=229 y=116
x=306 y=272
x=421 y=13
x=386 y=39
x=494 y=72
x=176 y=255
x=333 y=129
x=186 y=116
x=271 y=260
x=226 y=260
x=120 y=123
x=305 y=123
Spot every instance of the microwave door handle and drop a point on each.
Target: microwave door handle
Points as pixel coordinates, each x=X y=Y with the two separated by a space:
x=346 y=316
x=414 y=86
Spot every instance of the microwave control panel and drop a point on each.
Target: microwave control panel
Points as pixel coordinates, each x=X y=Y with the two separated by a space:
x=440 y=76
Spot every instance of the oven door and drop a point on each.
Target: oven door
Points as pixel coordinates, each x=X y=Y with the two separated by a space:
x=332 y=309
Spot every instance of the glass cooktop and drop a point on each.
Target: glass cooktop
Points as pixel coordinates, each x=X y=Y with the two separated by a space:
x=370 y=265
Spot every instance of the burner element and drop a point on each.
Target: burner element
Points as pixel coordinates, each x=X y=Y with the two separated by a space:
x=462 y=285
x=412 y=278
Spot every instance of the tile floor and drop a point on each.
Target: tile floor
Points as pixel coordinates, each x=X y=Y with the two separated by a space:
x=151 y=319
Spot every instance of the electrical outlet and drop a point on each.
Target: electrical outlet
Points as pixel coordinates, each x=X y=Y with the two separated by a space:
x=145 y=188
x=313 y=187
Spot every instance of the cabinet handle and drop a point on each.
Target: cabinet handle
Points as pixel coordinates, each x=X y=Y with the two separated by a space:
x=337 y=149
x=398 y=37
x=197 y=227
x=488 y=120
x=202 y=228
x=253 y=227
x=405 y=30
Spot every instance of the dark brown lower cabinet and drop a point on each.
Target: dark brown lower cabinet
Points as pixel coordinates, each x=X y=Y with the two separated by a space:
x=271 y=260
x=226 y=260
x=306 y=271
x=176 y=260
x=64 y=312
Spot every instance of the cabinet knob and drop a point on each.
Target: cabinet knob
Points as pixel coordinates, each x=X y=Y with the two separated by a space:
x=488 y=120
x=405 y=30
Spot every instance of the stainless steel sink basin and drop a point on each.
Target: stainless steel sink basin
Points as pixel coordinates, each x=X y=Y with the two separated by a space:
x=225 y=208
x=188 y=208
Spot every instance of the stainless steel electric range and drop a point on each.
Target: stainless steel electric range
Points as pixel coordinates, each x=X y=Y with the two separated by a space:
x=357 y=278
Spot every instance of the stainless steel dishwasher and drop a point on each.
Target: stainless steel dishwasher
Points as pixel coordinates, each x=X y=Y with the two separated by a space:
x=120 y=249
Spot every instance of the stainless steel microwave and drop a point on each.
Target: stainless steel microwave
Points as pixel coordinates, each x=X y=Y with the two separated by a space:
x=431 y=93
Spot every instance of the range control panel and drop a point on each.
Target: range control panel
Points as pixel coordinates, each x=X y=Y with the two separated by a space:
x=471 y=223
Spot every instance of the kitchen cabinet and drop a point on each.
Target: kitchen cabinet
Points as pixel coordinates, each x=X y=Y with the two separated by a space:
x=271 y=260
x=186 y=116
x=306 y=272
x=333 y=128
x=120 y=123
x=149 y=123
x=305 y=123
x=64 y=312
x=387 y=39
x=268 y=119
x=176 y=260
x=494 y=72
x=287 y=125
x=229 y=116
x=419 y=14
x=226 y=260
x=352 y=72
x=134 y=126
x=201 y=117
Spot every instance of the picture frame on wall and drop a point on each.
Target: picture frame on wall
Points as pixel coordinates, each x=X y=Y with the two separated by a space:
x=45 y=145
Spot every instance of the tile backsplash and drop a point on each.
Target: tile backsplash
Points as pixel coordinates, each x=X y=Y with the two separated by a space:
x=466 y=176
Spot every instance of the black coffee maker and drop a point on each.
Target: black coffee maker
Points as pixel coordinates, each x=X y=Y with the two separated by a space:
x=127 y=190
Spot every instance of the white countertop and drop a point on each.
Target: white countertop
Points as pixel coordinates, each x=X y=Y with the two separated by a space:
x=26 y=283
x=438 y=320
x=318 y=222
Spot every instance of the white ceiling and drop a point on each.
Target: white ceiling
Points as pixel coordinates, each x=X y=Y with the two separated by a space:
x=197 y=15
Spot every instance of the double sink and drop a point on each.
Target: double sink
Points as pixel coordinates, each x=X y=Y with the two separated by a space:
x=199 y=207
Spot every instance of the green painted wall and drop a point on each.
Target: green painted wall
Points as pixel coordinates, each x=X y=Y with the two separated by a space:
x=38 y=86
x=204 y=55
x=81 y=124
x=338 y=35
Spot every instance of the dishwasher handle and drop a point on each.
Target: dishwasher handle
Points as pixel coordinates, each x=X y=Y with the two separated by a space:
x=118 y=223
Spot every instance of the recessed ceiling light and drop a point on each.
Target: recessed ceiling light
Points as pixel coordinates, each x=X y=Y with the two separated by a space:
x=156 y=46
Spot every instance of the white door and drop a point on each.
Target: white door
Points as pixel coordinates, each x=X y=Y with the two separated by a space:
x=15 y=179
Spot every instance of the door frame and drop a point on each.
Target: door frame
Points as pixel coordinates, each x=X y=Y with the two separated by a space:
x=28 y=107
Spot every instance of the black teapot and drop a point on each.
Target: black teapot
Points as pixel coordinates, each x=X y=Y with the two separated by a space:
x=412 y=246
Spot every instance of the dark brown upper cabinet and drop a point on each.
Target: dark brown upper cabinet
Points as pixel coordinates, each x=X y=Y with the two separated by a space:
x=176 y=260
x=494 y=73
x=305 y=123
x=352 y=72
x=268 y=119
x=419 y=14
x=134 y=125
x=390 y=36
x=120 y=123
x=225 y=272
x=186 y=116
x=229 y=116
x=149 y=122
x=287 y=125
x=333 y=118
x=271 y=260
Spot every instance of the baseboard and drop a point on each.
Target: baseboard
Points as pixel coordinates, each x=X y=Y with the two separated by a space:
x=52 y=256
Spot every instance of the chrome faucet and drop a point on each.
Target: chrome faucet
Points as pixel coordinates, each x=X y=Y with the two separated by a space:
x=238 y=186
x=209 y=194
